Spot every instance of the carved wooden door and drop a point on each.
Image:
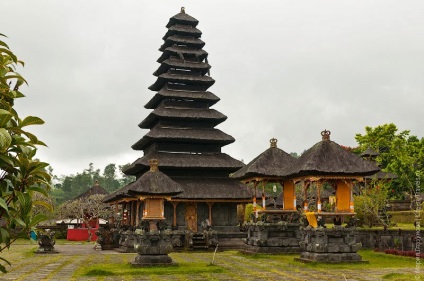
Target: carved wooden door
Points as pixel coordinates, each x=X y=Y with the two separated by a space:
x=191 y=217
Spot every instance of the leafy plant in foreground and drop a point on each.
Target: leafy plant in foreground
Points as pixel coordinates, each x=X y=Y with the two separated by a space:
x=21 y=175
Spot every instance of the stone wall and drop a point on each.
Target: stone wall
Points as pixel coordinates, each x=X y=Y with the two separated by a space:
x=392 y=238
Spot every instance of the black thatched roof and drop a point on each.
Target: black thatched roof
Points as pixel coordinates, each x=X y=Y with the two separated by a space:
x=182 y=18
x=154 y=182
x=168 y=94
x=95 y=189
x=212 y=188
x=382 y=176
x=172 y=63
x=118 y=194
x=210 y=161
x=328 y=158
x=196 y=114
x=183 y=135
x=203 y=82
x=182 y=40
x=270 y=163
x=369 y=152
x=183 y=30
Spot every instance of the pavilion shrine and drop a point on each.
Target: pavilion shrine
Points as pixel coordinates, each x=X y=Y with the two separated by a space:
x=327 y=164
x=277 y=230
x=183 y=138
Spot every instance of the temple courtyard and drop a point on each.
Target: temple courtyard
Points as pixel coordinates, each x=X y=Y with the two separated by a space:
x=82 y=262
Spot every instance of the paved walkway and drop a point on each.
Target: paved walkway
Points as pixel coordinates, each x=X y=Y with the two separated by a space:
x=61 y=266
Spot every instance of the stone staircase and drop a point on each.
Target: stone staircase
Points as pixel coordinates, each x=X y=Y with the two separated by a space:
x=199 y=242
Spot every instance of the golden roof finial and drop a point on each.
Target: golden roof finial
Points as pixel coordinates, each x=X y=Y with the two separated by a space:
x=153 y=165
x=273 y=142
x=96 y=183
x=182 y=10
x=325 y=135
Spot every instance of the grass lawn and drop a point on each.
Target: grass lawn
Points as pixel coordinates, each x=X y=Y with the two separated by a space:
x=79 y=261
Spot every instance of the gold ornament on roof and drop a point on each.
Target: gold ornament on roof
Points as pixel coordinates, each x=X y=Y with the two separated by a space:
x=273 y=142
x=153 y=165
x=325 y=135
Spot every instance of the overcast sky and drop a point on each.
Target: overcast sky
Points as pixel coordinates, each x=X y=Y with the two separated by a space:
x=283 y=69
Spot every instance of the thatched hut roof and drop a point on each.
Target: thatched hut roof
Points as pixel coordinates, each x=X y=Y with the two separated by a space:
x=382 y=176
x=118 y=194
x=154 y=182
x=182 y=18
x=95 y=189
x=369 y=152
x=328 y=158
x=270 y=163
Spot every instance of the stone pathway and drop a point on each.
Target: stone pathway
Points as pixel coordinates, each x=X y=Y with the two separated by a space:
x=61 y=266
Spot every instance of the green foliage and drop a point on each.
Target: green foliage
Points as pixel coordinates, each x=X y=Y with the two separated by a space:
x=70 y=186
x=21 y=175
x=400 y=154
x=370 y=206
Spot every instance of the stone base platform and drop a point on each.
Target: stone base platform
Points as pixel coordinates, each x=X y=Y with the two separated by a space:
x=308 y=257
x=153 y=260
x=269 y=250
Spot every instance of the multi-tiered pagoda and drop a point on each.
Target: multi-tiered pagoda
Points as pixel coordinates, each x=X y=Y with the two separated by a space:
x=183 y=138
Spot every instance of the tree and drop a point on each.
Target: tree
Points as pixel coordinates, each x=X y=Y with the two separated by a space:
x=85 y=209
x=21 y=174
x=370 y=205
x=125 y=179
x=110 y=181
x=400 y=154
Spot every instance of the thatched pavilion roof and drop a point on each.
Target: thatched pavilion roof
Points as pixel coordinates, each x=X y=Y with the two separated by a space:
x=328 y=158
x=154 y=182
x=271 y=163
x=95 y=189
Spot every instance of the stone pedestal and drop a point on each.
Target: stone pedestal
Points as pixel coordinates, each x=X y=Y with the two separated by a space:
x=126 y=241
x=153 y=248
x=273 y=238
x=105 y=238
x=329 y=245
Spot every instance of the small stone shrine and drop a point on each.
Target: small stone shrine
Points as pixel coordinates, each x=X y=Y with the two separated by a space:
x=272 y=229
x=153 y=240
x=46 y=242
x=327 y=164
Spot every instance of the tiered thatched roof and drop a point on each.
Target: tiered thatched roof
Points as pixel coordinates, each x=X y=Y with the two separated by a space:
x=182 y=134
